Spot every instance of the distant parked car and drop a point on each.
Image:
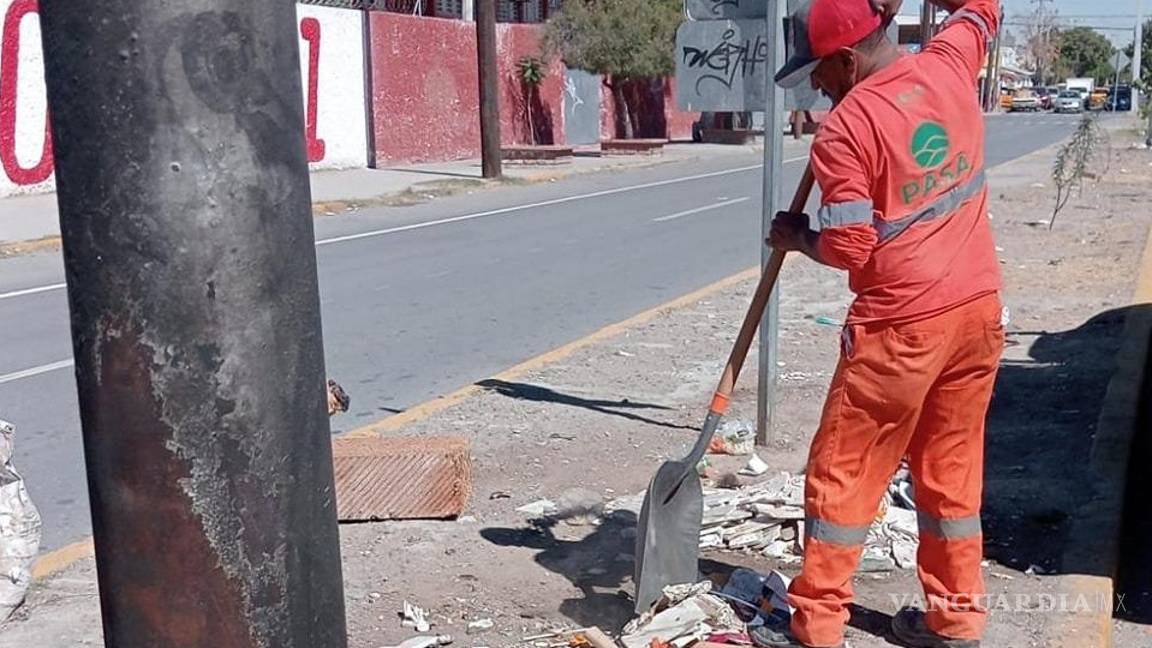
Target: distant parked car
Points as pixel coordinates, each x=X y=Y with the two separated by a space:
x=1069 y=101
x=1119 y=99
x=1025 y=101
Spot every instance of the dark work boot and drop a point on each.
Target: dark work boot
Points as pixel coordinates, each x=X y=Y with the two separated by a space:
x=777 y=635
x=910 y=628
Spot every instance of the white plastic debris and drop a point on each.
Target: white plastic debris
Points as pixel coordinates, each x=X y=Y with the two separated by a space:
x=415 y=617
x=480 y=625
x=755 y=467
x=736 y=438
x=539 y=508
x=19 y=529
x=426 y=641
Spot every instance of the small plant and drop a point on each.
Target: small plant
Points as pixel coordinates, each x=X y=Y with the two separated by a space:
x=532 y=71
x=1075 y=162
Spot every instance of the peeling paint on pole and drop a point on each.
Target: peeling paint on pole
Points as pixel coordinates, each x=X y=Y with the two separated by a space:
x=185 y=214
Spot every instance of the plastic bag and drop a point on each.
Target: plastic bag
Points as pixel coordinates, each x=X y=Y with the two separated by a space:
x=19 y=529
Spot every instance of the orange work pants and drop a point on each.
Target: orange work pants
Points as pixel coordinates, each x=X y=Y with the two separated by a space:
x=921 y=390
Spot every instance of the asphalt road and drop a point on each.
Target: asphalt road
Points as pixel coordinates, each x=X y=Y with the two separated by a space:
x=418 y=301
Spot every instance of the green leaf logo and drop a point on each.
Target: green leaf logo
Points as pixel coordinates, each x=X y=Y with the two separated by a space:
x=930 y=145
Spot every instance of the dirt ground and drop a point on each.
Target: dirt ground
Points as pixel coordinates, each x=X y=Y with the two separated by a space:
x=595 y=425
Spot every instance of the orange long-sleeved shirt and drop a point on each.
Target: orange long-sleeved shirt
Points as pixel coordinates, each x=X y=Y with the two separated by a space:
x=900 y=163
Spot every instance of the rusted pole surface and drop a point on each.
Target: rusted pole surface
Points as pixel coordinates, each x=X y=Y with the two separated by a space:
x=489 y=88
x=188 y=245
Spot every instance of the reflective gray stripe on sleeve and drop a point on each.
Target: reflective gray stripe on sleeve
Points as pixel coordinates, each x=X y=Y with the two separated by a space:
x=942 y=207
x=975 y=18
x=857 y=212
x=825 y=531
x=956 y=529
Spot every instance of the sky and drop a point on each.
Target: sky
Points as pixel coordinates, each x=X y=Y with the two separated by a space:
x=1093 y=13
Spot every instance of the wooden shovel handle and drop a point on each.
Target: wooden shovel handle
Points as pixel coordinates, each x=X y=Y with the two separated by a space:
x=756 y=309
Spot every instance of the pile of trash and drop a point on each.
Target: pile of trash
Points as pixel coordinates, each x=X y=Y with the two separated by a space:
x=768 y=518
x=692 y=614
x=19 y=529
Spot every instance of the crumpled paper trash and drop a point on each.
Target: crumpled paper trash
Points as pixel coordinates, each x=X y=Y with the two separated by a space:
x=19 y=529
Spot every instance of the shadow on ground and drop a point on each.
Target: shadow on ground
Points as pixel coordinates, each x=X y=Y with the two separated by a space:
x=600 y=565
x=1041 y=425
x=539 y=393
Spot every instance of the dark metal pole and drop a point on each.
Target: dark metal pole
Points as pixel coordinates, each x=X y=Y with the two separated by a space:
x=188 y=248
x=489 y=88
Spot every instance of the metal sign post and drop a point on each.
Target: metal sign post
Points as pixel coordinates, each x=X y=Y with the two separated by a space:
x=773 y=154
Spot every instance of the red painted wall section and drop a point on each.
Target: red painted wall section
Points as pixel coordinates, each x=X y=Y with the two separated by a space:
x=679 y=122
x=425 y=95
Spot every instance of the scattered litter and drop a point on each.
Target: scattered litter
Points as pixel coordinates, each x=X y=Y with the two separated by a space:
x=999 y=249
x=480 y=625
x=756 y=467
x=1037 y=223
x=734 y=437
x=561 y=436
x=1003 y=576
x=1037 y=570
x=758 y=592
x=824 y=320
x=500 y=495
x=625 y=354
x=539 y=508
x=426 y=641
x=19 y=529
x=1005 y=316
x=1037 y=185
x=684 y=615
x=415 y=617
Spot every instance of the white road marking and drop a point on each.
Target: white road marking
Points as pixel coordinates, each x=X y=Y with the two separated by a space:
x=483 y=214
x=543 y=203
x=32 y=291
x=689 y=212
x=36 y=371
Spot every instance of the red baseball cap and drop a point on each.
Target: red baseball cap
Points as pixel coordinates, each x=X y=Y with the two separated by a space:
x=821 y=27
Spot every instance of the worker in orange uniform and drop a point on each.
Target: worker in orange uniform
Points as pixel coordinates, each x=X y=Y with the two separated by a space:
x=900 y=163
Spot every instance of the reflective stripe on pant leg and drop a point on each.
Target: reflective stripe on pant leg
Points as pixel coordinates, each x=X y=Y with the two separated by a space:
x=838 y=534
x=957 y=529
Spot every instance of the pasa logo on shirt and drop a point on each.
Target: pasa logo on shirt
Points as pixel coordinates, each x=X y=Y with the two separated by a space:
x=930 y=148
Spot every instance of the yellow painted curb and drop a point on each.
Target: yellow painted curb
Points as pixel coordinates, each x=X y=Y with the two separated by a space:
x=428 y=408
x=59 y=560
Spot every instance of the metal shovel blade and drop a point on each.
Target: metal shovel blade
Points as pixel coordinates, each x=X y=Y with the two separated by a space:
x=668 y=532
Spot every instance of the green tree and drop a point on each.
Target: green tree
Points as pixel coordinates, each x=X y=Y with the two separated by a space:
x=619 y=39
x=1145 y=57
x=1085 y=52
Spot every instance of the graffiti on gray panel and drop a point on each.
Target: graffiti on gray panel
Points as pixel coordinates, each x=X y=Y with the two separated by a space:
x=722 y=9
x=724 y=66
x=721 y=64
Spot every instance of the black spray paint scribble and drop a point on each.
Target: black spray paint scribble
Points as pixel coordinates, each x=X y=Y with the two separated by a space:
x=717 y=5
x=727 y=59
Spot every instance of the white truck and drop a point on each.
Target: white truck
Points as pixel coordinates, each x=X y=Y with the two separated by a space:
x=1084 y=86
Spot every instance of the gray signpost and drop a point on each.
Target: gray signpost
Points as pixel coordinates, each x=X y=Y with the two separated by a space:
x=726 y=54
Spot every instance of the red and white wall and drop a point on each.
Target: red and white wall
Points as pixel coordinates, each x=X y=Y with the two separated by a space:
x=424 y=97
x=331 y=68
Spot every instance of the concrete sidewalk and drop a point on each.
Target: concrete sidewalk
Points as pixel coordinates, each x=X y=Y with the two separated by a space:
x=30 y=218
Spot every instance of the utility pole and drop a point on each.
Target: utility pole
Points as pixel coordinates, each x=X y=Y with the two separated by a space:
x=489 y=88
x=185 y=212
x=1137 y=54
x=773 y=172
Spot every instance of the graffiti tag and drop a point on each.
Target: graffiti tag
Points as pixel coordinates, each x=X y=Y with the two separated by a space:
x=727 y=60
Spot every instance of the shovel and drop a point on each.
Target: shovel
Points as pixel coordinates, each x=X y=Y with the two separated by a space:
x=668 y=531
